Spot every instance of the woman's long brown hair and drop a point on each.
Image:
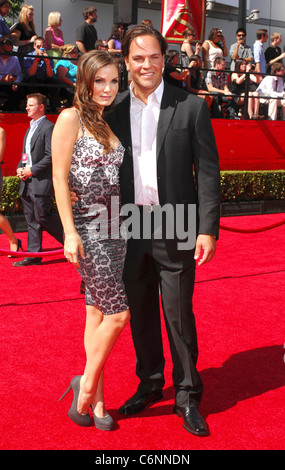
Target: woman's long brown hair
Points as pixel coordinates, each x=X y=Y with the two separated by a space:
x=88 y=66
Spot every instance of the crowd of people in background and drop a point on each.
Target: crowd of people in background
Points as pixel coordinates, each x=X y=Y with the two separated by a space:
x=253 y=78
x=28 y=62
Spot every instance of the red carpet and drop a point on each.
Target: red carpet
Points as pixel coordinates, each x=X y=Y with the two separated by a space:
x=239 y=305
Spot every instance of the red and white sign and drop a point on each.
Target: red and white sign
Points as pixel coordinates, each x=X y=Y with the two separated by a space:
x=177 y=15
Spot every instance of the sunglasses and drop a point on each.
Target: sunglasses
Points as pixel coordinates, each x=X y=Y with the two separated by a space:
x=241 y=35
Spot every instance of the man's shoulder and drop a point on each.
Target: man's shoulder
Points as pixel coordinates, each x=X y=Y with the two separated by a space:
x=81 y=26
x=175 y=96
x=14 y=59
x=121 y=98
x=257 y=45
x=47 y=125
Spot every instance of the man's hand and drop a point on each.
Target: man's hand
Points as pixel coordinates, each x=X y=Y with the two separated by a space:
x=8 y=78
x=24 y=172
x=73 y=198
x=205 y=248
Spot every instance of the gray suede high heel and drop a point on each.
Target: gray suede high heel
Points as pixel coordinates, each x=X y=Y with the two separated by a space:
x=104 y=424
x=77 y=418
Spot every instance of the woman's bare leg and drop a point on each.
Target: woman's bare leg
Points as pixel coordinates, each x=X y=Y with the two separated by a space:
x=7 y=229
x=101 y=333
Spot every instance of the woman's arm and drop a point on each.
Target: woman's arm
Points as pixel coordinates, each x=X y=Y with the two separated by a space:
x=225 y=50
x=238 y=79
x=111 y=47
x=186 y=47
x=205 y=51
x=61 y=74
x=64 y=136
x=179 y=75
x=49 y=40
x=2 y=143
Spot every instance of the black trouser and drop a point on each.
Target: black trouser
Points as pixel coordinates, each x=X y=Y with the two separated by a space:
x=149 y=268
x=223 y=106
x=39 y=217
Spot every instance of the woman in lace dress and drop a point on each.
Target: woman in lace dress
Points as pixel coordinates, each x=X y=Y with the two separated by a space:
x=86 y=159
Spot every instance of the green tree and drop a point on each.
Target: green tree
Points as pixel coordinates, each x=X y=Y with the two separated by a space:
x=15 y=8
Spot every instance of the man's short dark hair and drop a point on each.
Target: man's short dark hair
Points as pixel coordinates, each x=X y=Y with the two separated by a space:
x=240 y=30
x=41 y=99
x=276 y=67
x=88 y=11
x=219 y=60
x=100 y=43
x=142 y=30
x=260 y=33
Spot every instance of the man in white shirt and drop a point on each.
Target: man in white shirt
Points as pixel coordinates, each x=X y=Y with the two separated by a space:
x=35 y=172
x=165 y=131
x=272 y=87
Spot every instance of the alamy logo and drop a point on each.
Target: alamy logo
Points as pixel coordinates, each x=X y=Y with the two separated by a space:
x=178 y=222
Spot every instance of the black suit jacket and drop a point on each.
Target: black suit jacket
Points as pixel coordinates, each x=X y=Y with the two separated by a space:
x=41 y=158
x=185 y=142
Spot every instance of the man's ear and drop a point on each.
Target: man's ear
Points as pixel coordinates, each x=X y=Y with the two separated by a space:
x=127 y=64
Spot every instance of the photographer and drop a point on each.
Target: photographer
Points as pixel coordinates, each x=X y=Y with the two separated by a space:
x=38 y=68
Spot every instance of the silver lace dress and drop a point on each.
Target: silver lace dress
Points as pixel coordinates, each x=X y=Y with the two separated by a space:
x=94 y=177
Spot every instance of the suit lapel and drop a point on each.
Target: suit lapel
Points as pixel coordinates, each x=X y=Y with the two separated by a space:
x=25 y=139
x=37 y=133
x=124 y=123
x=168 y=105
x=121 y=126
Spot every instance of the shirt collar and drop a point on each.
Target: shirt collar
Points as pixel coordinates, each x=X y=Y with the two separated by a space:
x=36 y=123
x=156 y=95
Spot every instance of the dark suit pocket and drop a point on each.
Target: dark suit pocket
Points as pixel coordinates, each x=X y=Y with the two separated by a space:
x=178 y=132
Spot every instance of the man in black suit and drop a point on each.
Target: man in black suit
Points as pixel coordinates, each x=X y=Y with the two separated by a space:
x=166 y=132
x=35 y=172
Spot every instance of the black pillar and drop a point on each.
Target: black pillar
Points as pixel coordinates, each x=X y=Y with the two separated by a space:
x=242 y=14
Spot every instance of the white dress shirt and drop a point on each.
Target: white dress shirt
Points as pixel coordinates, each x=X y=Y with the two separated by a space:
x=33 y=127
x=271 y=86
x=144 y=121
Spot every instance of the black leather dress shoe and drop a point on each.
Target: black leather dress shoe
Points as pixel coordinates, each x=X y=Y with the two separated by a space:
x=193 y=421
x=139 y=401
x=28 y=262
